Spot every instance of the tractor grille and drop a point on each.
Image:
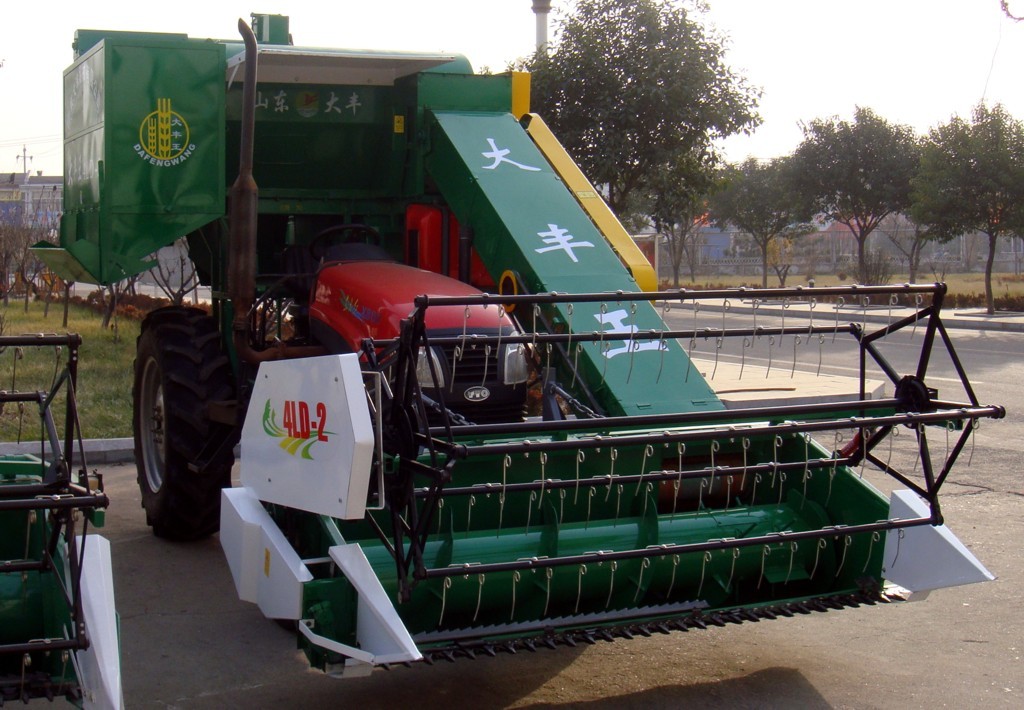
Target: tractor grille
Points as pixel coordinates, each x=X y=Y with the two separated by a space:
x=474 y=367
x=477 y=367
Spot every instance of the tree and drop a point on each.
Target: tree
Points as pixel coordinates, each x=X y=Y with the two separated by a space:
x=759 y=199
x=631 y=85
x=677 y=205
x=909 y=238
x=857 y=173
x=972 y=179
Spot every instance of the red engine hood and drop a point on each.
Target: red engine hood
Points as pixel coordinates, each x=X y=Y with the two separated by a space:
x=360 y=299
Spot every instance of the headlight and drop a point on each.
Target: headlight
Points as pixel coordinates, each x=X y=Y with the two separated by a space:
x=426 y=359
x=517 y=367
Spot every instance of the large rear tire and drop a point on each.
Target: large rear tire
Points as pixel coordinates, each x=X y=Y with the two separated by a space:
x=180 y=367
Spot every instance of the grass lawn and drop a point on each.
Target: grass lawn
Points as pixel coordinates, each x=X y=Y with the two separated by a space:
x=104 y=371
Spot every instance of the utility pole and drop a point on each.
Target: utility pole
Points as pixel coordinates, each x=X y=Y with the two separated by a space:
x=25 y=159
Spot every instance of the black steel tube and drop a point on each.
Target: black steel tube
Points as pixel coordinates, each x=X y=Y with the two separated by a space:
x=55 y=503
x=477 y=340
x=71 y=340
x=676 y=419
x=783 y=429
x=45 y=646
x=36 y=397
x=682 y=295
x=652 y=477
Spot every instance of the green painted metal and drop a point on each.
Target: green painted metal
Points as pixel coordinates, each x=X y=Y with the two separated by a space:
x=31 y=605
x=483 y=528
x=144 y=152
x=525 y=220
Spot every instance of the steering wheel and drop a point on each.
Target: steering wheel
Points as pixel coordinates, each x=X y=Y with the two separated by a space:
x=342 y=234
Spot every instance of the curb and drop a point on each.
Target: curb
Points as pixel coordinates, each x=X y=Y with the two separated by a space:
x=97 y=451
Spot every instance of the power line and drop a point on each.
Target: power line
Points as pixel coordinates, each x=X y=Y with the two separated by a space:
x=11 y=142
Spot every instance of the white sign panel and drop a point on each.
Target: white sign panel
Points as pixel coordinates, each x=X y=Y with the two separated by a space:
x=308 y=441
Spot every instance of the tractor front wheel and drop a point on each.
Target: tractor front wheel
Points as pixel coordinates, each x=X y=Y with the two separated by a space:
x=180 y=367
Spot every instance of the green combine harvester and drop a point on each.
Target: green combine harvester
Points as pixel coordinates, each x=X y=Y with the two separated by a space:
x=465 y=427
x=58 y=626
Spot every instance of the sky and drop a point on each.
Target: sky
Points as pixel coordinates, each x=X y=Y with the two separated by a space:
x=914 y=62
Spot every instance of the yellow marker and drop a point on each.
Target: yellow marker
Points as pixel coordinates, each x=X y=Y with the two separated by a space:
x=520 y=94
x=266 y=561
x=399 y=124
x=600 y=214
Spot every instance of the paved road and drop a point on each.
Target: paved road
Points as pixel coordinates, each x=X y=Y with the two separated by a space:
x=189 y=643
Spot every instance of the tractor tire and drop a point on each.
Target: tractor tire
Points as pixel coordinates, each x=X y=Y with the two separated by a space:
x=180 y=367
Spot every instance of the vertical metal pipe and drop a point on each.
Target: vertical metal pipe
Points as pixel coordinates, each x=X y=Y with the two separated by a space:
x=541 y=8
x=244 y=200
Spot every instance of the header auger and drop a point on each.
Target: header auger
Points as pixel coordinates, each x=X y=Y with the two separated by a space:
x=465 y=427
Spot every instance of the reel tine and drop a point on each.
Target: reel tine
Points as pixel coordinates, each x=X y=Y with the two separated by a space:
x=839 y=304
x=611 y=585
x=732 y=568
x=547 y=599
x=745 y=444
x=715 y=448
x=875 y=537
x=575 y=363
x=631 y=344
x=618 y=500
x=847 y=540
x=704 y=561
x=579 y=587
x=793 y=547
x=782 y=332
x=445 y=586
x=647 y=495
x=580 y=458
x=975 y=424
x=822 y=544
x=640 y=579
x=672 y=580
x=487 y=361
x=918 y=300
x=648 y=451
x=455 y=360
x=807 y=475
x=543 y=477
x=568 y=327
x=479 y=594
x=516 y=576
x=689 y=357
x=765 y=552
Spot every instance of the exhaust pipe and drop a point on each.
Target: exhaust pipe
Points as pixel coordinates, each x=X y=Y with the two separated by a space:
x=244 y=203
